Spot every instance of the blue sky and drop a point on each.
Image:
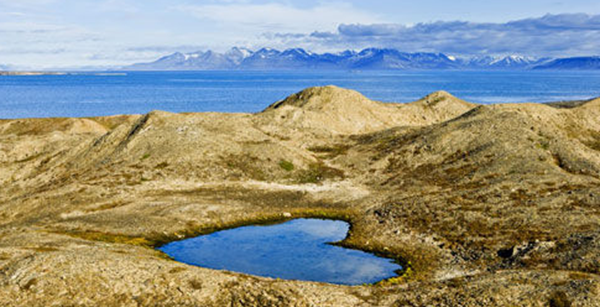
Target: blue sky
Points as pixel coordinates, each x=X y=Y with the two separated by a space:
x=63 y=33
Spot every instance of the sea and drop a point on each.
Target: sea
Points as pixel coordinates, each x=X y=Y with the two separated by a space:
x=100 y=93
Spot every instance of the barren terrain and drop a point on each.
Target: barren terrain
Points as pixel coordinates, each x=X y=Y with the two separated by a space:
x=485 y=205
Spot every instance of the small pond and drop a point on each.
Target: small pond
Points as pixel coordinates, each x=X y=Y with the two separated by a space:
x=297 y=249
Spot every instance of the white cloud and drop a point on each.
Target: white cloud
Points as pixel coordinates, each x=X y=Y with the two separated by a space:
x=552 y=35
x=241 y=15
x=45 y=33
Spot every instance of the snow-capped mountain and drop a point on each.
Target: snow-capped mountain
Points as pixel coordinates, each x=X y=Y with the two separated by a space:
x=297 y=58
x=502 y=62
x=268 y=58
x=368 y=59
x=375 y=58
x=237 y=55
x=197 y=61
x=513 y=61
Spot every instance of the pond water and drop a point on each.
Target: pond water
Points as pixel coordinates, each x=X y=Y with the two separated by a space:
x=296 y=250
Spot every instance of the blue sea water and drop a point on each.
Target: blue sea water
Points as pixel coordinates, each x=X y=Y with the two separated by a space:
x=90 y=94
x=296 y=250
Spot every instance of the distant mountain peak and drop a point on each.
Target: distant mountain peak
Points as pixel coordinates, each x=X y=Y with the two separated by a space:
x=513 y=59
x=297 y=51
x=195 y=55
x=267 y=50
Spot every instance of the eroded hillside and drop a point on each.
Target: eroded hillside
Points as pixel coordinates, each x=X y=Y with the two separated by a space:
x=487 y=204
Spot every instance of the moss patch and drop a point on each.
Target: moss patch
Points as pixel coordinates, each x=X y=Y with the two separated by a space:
x=108 y=237
x=406 y=274
x=330 y=152
x=286 y=165
x=319 y=172
x=245 y=166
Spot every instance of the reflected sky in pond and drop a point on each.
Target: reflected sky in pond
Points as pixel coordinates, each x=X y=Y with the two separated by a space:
x=293 y=250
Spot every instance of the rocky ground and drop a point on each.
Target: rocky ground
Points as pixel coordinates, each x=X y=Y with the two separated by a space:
x=488 y=205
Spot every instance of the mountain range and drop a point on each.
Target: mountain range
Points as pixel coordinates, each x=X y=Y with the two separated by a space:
x=368 y=59
x=577 y=63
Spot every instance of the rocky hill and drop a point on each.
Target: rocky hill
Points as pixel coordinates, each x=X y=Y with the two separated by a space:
x=486 y=204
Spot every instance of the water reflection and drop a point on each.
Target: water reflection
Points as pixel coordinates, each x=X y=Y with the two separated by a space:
x=293 y=250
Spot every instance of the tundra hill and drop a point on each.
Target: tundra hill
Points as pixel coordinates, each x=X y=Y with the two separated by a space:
x=334 y=111
x=589 y=113
x=509 y=173
x=46 y=140
x=221 y=146
x=486 y=204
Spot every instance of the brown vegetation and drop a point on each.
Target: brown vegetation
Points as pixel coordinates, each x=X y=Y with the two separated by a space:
x=484 y=205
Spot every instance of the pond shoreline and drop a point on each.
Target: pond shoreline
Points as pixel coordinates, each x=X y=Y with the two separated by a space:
x=218 y=251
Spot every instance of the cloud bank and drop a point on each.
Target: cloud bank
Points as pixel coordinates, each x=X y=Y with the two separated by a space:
x=548 y=36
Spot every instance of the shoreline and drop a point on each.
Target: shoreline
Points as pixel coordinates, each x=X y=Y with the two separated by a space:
x=31 y=73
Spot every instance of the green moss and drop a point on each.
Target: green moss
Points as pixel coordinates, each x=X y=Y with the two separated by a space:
x=318 y=172
x=145 y=156
x=109 y=237
x=543 y=144
x=286 y=165
x=405 y=275
x=243 y=165
x=330 y=152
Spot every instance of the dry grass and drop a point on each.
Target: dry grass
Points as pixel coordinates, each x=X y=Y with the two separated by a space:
x=108 y=237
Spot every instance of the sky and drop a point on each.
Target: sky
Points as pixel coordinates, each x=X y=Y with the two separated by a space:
x=74 y=33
